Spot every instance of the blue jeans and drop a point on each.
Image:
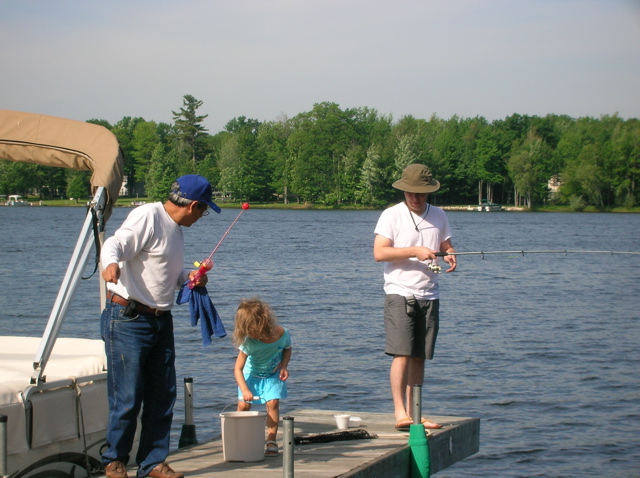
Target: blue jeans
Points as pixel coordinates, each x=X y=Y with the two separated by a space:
x=141 y=359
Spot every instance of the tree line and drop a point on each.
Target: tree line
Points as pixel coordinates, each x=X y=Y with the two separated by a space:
x=349 y=158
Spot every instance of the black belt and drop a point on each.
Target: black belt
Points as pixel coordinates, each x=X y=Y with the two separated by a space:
x=113 y=297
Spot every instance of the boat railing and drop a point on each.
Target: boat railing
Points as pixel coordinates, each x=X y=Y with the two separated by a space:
x=72 y=383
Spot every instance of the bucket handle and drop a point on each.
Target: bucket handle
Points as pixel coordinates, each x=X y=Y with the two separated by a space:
x=234 y=402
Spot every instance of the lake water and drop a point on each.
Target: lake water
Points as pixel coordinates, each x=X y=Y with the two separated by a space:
x=543 y=348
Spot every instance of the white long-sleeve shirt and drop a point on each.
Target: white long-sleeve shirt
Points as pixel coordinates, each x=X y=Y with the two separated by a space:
x=149 y=248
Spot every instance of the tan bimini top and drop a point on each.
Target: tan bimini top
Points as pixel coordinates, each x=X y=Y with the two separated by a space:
x=59 y=142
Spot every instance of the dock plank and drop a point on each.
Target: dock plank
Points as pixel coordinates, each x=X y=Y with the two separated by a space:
x=458 y=439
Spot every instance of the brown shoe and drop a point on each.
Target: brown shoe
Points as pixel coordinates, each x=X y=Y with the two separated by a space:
x=116 y=469
x=163 y=470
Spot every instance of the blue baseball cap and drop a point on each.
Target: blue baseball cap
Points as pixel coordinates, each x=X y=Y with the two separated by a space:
x=196 y=188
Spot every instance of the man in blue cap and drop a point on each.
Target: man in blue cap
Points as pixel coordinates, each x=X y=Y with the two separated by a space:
x=143 y=267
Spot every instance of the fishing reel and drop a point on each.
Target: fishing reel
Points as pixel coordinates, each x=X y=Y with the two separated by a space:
x=203 y=267
x=435 y=268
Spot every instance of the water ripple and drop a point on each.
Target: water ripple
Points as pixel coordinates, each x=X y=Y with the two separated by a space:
x=544 y=349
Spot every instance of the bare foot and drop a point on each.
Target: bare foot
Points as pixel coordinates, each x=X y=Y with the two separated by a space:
x=429 y=424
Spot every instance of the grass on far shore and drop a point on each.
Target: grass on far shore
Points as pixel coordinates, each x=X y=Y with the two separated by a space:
x=130 y=202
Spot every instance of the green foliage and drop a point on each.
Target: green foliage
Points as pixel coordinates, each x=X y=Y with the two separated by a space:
x=143 y=143
x=244 y=167
x=100 y=122
x=629 y=201
x=78 y=186
x=577 y=203
x=343 y=157
x=526 y=166
x=373 y=178
x=123 y=130
x=208 y=168
x=162 y=173
x=16 y=177
x=273 y=138
x=188 y=126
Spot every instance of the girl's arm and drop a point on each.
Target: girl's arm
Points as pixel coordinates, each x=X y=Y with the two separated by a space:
x=284 y=372
x=247 y=396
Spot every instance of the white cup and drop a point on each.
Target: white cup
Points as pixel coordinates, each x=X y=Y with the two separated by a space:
x=342 y=421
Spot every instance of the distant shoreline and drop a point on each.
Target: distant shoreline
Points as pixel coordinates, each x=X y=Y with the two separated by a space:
x=122 y=203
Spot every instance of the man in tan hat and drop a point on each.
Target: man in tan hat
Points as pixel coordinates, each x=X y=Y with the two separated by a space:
x=407 y=237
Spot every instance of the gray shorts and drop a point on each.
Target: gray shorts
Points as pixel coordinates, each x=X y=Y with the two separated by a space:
x=411 y=331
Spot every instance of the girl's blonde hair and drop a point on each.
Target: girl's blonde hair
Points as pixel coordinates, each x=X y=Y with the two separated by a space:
x=254 y=318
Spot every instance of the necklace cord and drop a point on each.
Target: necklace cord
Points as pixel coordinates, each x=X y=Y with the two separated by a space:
x=423 y=217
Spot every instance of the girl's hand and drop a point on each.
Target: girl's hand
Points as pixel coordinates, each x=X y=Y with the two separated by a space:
x=284 y=374
x=247 y=396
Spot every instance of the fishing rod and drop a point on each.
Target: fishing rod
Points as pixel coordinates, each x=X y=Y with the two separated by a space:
x=435 y=268
x=482 y=253
x=206 y=265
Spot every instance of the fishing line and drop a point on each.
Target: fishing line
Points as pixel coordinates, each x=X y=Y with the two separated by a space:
x=245 y=206
x=206 y=265
x=483 y=253
x=436 y=269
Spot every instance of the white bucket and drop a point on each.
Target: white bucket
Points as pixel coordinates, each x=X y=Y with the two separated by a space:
x=342 y=421
x=243 y=435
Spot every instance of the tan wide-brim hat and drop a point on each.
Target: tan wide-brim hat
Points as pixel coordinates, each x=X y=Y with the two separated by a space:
x=416 y=178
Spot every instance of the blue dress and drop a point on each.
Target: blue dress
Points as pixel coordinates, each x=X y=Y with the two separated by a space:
x=262 y=369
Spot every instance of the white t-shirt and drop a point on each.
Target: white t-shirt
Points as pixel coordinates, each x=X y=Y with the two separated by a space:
x=149 y=247
x=410 y=277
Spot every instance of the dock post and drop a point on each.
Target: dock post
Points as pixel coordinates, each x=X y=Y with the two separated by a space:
x=416 y=400
x=287 y=447
x=3 y=446
x=188 y=434
x=418 y=442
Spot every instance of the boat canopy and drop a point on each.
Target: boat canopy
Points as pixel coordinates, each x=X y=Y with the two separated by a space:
x=50 y=141
x=58 y=142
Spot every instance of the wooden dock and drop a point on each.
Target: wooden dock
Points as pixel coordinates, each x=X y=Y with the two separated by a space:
x=385 y=456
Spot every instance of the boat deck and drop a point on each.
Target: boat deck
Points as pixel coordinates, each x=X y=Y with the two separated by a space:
x=387 y=455
x=75 y=364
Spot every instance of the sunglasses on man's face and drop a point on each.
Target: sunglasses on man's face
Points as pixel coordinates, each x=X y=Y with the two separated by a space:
x=203 y=207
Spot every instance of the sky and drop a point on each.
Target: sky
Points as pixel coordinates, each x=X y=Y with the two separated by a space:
x=273 y=59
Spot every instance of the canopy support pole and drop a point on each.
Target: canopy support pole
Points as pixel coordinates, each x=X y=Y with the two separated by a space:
x=68 y=287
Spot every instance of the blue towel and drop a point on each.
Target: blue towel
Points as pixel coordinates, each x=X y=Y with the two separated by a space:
x=203 y=310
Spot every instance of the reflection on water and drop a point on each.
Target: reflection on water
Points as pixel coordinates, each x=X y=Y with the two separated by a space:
x=543 y=348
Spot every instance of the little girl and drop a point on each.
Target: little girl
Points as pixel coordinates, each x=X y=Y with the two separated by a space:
x=261 y=367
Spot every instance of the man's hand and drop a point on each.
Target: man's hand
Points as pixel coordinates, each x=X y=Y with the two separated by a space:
x=452 y=261
x=201 y=282
x=111 y=273
x=424 y=253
